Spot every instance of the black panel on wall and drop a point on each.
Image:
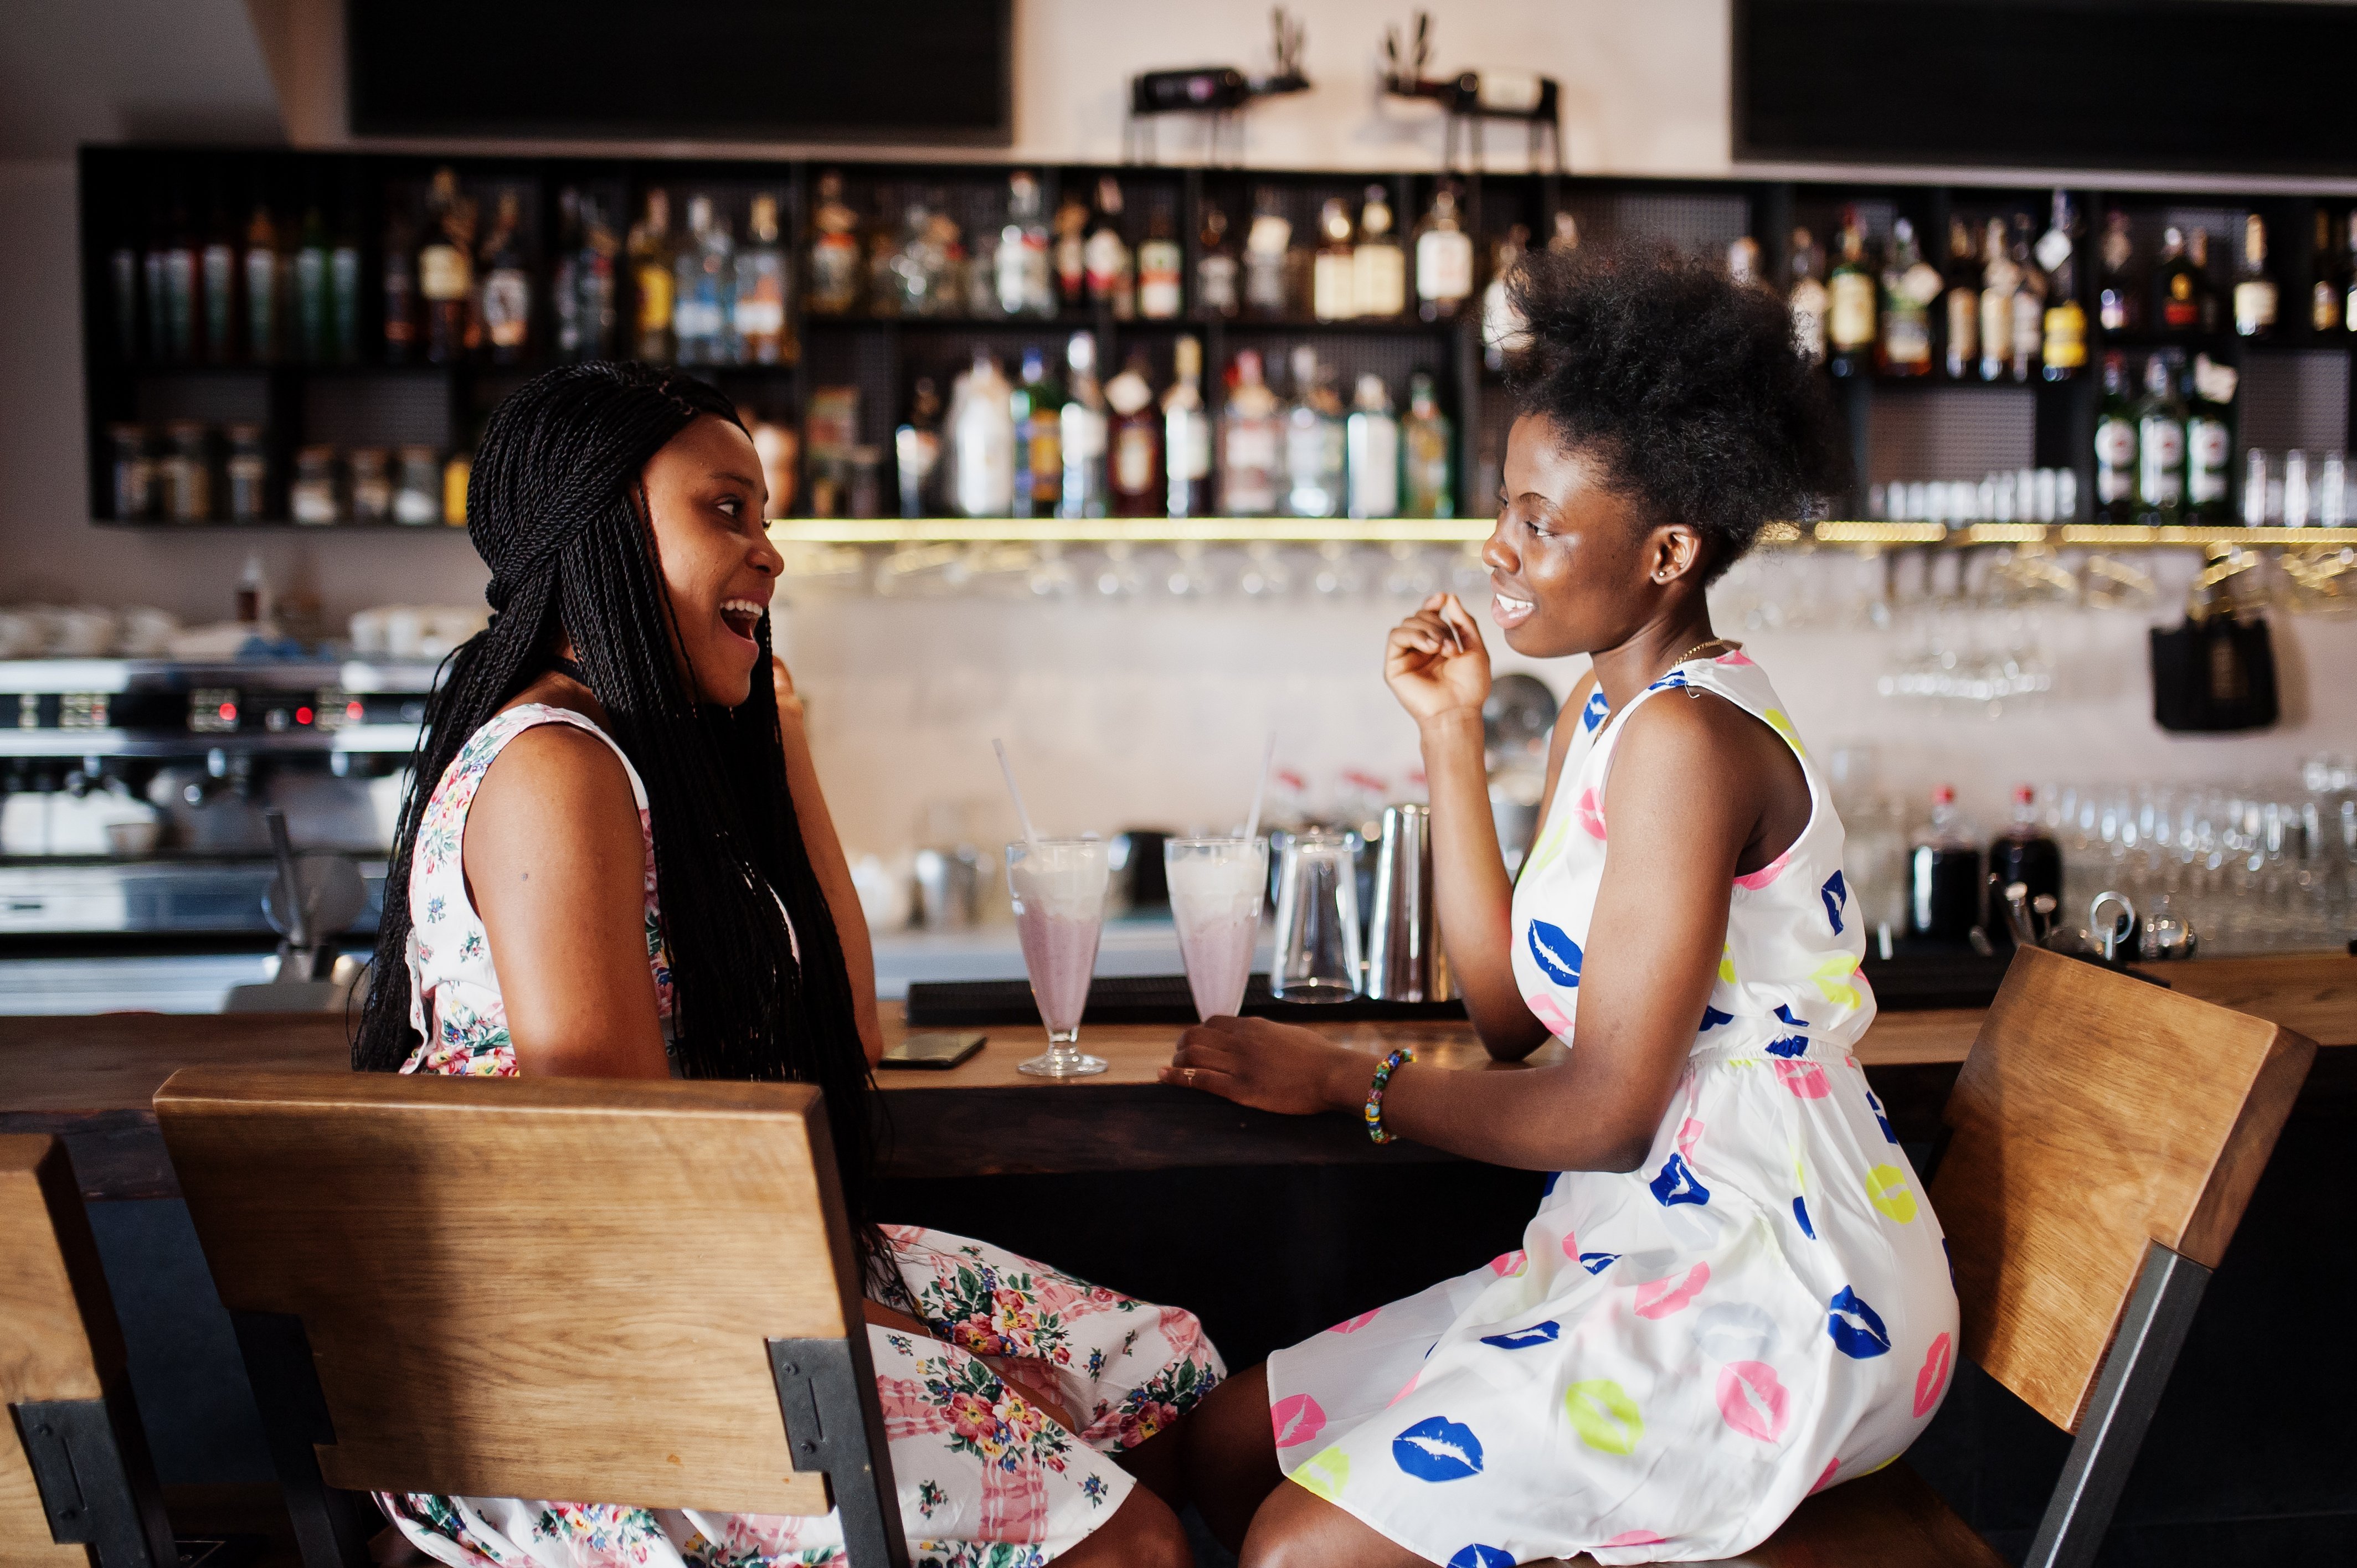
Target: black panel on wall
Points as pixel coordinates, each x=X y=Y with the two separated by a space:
x=2246 y=85
x=928 y=71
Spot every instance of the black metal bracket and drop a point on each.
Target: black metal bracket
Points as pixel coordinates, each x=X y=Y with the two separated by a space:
x=89 y=1461
x=826 y=1391
x=2152 y=1331
x=332 y=1526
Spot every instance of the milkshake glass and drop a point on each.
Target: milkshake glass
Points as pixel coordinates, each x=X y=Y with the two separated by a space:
x=1217 y=886
x=1059 y=892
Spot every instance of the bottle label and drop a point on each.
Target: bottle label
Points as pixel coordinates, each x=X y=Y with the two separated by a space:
x=2028 y=325
x=654 y=298
x=2208 y=448
x=1444 y=264
x=1133 y=460
x=1808 y=319
x=2324 y=306
x=2066 y=337
x=1190 y=437
x=1215 y=282
x=2179 y=309
x=1851 y=323
x=1964 y=324
x=443 y=273
x=1921 y=283
x=1047 y=442
x=2254 y=306
x=507 y=308
x=1083 y=432
x=2160 y=472
x=1380 y=280
x=1158 y=296
x=1333 y=292
x=696 y=318
x=757 y=317
x=1907 y=337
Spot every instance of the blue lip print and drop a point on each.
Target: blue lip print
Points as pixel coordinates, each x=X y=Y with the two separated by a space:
x=1675 y=678
x=1597 y=1262
x=1836 y=893
x=1712 y=1018
x=1558 y=956
x=1437 y=1449
x=1596 y=713
x=1552 y=1178
x=1479 y=1556
x=1789 y=1046
x=1856 y=1327
x=1801 y=1213
x=1676 y=1184
x=1880 y=1115
x=1784 y=1011
x=1523 y=1340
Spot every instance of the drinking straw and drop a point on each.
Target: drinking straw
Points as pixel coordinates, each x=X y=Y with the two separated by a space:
x=1260 y=788
x=1031 y=834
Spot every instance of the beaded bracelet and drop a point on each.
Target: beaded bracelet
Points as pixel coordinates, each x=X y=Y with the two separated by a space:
x=1375 y=1112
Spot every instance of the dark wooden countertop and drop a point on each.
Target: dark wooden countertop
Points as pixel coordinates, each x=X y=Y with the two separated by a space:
x=90 y=1078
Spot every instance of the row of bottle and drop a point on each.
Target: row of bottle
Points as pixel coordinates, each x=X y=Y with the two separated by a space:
x=1035 y=448
x=1950 y=898
x=2168 y=456
x=192 y=472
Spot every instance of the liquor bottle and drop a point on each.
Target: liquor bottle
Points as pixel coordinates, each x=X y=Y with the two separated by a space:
x=2176 y=288
x=1943 y=875
x=1252 y=437
x=834 y=269
x=1314 y=442
x=2160 y=446
x=1427 y=456
x=1136 y=477
x=1849 y=294
x=982 y=441
x=262 y=318
x=1566 y=238
x=2028 y=305
x=1216 y=268
x=124 y=288
x=1187 y=435
x=1502 y=320
x=1112 y=277
x=1036 y=407
x=1743 y=262
x=1021 y=273
x=400 y=289
x=2255 y=295
x=1808 y=300
x=173 y=298
x=217 y=273
x=1910 y=284
x=1266 y=244
x=2349 y=276
x=2119 y=305
x=2063 y=347
x=595 y=280
x=2210 y=421
x=444 y=274
x=565 y=281
x=650 y=280
x=2325 y=290
x=2000 y=279
x=1964 y=303
x=2022 y=853
x=1378 y=265
x=756 y=310
x=1443 y=260
x=1082 y=430
x=702 y=278
x=314 y=303
x=917 y=450
x=1160 y=266
x=1071 y=251
x=2206 y=293
x=2116 y=446
x=1333 y=278
x=344 y=289
x=507 y=285
x=1371 y=443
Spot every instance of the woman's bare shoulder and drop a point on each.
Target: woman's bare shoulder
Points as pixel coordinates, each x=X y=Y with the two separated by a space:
x=559 y=780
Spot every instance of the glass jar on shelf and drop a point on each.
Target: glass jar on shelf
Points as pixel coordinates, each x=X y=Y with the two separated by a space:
x=372 y=485
x=248 y=471
x=132 y=466
x=187 y=471
x=417 y=495
x=311 y=499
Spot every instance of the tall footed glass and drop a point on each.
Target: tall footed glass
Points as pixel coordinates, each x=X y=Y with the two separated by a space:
x=1217 y=887
x=1058 y=885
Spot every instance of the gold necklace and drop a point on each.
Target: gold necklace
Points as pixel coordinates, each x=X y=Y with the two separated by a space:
x=1707 y=642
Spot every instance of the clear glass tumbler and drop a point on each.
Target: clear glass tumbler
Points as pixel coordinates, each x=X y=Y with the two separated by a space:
x=1059 y=887
x=1217 y=889
x=1318 y=936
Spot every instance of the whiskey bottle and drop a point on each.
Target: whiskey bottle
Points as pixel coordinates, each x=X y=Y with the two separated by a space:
x=1252 y=438
x=1038 y=406
x=835 y=262
x=2116 y=446
x=1502 y=320
x=917 y=451
x=1333 y=280
x=1908 y=287
x=1112 y=276
x=2063 y=339
x=1808 y=301
x=2349 y=273
x=1187 y=435
x=2176 y=288
x=1216 y=269
x=1370 y=440
x=981 y=446
x=2119 y=305
x=2000 y=279
x=2326 y=287
x=1378 y=265
x=1136 y=478
x=1443 y=260
x=1314 y=465
x=758 y=309
x=446 y=279
x=1071 y=251
x=2028 y=305
x=2255 y=295
x=1427 y=455
x=1083 y=420
x=400 y=290
x=702 y=275
x=1266 y=242
x=1022 y=274
x=2160 y=446
x=1160 y=266
x=1849 y=293
x=565 y=281
x=507 y=285
x=2206 y=290
x=595 y=280
x=650 y=280
x=1964 y=303
x=2210 y=440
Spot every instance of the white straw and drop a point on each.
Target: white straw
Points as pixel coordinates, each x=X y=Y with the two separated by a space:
x=1260 y=789
x=1031 y=834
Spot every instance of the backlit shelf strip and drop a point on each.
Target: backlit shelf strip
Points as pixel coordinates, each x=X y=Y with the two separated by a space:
x=897 y=531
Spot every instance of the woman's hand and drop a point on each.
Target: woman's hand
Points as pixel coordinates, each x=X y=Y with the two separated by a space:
x=790 y=702
x=1268 y=1066
x=1035 y=1381
x=1435 y=662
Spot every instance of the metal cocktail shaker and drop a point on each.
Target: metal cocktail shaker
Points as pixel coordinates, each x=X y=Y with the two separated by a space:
x=1404 y=960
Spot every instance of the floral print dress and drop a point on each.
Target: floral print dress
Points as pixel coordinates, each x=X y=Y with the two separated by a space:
x=1676 y=1355
x=986 y=1480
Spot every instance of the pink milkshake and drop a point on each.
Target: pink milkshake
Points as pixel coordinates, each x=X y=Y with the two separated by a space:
x=1216 y=889
x=1060 y=950
x=1059 y=891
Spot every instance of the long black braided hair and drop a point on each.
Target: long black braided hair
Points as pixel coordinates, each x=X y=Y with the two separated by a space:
x=554 y=508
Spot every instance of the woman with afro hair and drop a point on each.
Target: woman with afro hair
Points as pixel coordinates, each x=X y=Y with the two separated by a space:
x=1733 y=1293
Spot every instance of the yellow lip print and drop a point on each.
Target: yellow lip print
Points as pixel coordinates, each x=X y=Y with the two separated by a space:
x=1326 y=1473
x=1784 y=726
x=1887 y=1187
x=1833 y=979
x=1550 y=845
x=1726 y=965
x=1604 y=1416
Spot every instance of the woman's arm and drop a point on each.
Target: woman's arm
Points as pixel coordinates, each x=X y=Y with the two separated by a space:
x=826 y=858
x=1683 y=804
x=555 y=862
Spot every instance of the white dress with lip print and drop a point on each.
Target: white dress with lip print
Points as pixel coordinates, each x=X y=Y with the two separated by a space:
x=1677 y=1355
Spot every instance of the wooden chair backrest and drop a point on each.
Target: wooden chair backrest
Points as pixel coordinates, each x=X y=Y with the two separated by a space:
x=2096 y=1114
x=58 y=1340
x=530 y=1288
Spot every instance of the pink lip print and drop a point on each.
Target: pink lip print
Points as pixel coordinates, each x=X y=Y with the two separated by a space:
x=1547 y=1011
x=1752 y=882
x=1506 y=1263
x=1637 y=1537
x=1827 y=1478
x=1805 y=1080
x=1407 y=1389
x=1932 y=1380
x=1590 y=812
x=1297 y=1420
x=1733 y=656
x=1752 y=1399
x=1689 y=1133
x=1659 y=1298
x=1352 y=1325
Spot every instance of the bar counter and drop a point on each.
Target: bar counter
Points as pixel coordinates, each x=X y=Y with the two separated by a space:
x=90 y=1078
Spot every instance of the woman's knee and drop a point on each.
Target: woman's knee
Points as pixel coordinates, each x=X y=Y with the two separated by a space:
x=1142 y=1533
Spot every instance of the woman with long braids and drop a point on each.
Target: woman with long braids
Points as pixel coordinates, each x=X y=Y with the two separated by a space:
x=616 y=862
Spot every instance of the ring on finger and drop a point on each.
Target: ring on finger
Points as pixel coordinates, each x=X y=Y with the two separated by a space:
x=1191 y=1076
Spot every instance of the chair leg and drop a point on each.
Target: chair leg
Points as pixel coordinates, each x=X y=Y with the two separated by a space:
x=2152 y=1331
x=826 y=1391
x=332 y=1526
x=91 y=1465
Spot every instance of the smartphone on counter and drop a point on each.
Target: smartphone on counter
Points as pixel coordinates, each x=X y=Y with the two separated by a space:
x=937 y=1049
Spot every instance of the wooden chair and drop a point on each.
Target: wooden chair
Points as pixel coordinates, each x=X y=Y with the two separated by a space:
x=2102 y=1141
x=576 y=1289
x=77 y=1489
